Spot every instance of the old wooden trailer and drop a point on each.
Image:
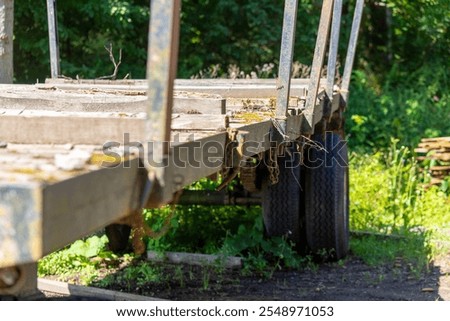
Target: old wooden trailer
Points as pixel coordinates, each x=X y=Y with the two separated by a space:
x=79 y=155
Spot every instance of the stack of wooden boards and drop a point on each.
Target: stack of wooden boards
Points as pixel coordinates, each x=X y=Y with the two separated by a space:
x=437 y=150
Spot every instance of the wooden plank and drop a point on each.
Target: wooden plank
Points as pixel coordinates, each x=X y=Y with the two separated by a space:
x=421 y=150
x=45 y=97
x=89 y=292
x=199 y=122
x=435 y=139
x=40 y=216
x=435 y=145
x=229 y=262
x=440 y=168
x=90 y=128
x=441 y=157
x=237 y=88
x=243 y=88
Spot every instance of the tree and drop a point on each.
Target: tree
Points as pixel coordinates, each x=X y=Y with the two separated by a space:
x=6 y=41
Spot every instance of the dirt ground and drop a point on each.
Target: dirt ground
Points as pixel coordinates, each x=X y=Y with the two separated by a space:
x=347 y=281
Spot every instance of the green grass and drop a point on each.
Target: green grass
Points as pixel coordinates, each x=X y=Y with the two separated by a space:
x=388 y=198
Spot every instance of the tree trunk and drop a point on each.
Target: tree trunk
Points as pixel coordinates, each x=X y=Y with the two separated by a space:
x=6 y=41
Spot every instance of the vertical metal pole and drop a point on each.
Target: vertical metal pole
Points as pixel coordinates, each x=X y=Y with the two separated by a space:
x=334 y=47
x=6 y=41
x=311 y=113
x=53 y=38
x=351 y=49
x=161 y=72
x=286 y=57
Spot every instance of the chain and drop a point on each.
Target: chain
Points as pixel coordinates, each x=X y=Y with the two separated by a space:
x=228 y=173
x=274 y=169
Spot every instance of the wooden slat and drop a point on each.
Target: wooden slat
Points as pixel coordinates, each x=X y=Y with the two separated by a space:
x=90 y=128
x=435 y=139
x=89 y=292
x=229 y=262
x=75 y=99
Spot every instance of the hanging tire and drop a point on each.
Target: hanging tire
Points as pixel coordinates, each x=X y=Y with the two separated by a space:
x=326 y=201
x=118 y=236
x=281 y=201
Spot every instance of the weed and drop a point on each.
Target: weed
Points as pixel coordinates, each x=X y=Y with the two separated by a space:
x=179 y=275
x=83 y=258
x=206 y=279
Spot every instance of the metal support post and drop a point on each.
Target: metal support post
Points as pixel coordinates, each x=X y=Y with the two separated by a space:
x=351 y=49
x=334 y=47
x=161 y=72
x=286 y=57
x=313 y=114
x=53 y=38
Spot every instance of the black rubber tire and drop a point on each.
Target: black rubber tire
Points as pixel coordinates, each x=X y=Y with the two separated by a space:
x=326 y=198
x=281 y=201
x=118 y=236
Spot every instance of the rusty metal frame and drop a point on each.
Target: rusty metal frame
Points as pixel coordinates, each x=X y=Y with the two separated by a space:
x=357 y=16
x=286 y=57
x=53 y=39
x=313 y=113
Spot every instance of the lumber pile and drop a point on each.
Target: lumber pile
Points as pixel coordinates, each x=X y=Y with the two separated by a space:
x=436 y=150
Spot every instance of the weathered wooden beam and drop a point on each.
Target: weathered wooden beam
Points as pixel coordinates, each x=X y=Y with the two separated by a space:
x=89 y=292
x=39 y=217
x=50 y=127
x=229 y=262
x=235 y=88
x=103 y=99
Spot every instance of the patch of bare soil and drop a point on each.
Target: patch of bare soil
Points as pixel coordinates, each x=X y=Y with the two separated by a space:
x=347 y=281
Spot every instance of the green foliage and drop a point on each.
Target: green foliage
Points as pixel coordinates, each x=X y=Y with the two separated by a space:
x=85 y=27
x=409 y=106
x=388 y=197
x=83 y=257
x=260 y=252
x=197 y=228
